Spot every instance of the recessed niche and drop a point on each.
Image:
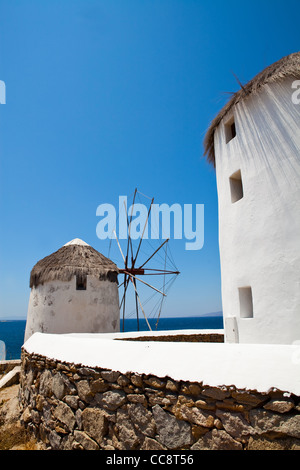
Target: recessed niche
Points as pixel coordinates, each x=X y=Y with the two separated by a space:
x=246 y=302
x=230 y=130
x=81 y=282
x=236 y=186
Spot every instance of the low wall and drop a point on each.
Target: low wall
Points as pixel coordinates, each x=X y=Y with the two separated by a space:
x=178 y=338
x=8 y=365
x=72 y=407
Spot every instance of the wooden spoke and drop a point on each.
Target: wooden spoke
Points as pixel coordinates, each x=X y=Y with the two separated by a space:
x=141 y=305
x=120 y=247
x=126 y=282
x=155 y=252
x=136 y=307
x=129 y=242
x=149 y=285
x=159 y=272
x=162 y=299
x=137 y=252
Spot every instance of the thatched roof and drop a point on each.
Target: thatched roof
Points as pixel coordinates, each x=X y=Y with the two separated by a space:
x=74 y=258
x=288 y=66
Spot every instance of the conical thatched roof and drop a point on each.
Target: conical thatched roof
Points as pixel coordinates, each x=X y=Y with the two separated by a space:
x=74 y=258
x=288 y=66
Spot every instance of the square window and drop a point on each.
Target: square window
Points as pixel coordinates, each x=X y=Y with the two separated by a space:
x=246 y=302
x=236 y=186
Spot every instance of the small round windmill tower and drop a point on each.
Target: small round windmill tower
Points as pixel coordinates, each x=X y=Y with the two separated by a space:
x=74 y=290
x=254 y=144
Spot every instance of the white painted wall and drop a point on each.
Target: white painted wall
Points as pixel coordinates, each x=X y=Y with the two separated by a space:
x=259 y=235
x=57 y=307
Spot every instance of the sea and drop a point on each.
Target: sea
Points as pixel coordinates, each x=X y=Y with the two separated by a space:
x=12 y=331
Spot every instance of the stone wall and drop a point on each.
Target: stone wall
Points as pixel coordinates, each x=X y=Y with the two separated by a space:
x=72 y=407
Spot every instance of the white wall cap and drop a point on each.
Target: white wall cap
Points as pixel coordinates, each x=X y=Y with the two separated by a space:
x=77 y=241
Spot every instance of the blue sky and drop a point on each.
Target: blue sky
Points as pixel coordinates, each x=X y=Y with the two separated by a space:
x=105 y=96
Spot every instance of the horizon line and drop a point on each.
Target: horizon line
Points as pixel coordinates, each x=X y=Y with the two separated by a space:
x=218 y=313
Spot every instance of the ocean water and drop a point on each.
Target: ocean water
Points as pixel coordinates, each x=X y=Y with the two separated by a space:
x=12 y=331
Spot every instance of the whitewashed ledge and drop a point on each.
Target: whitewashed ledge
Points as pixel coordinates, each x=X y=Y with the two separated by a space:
x=245 y=366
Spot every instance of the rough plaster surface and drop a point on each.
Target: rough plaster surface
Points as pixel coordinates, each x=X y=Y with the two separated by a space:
x=57 y=307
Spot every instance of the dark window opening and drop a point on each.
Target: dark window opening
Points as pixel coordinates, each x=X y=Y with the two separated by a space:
x=230 y=130
x=246 y=302
x=236 y=186
x=233 y=129
x=81 y=282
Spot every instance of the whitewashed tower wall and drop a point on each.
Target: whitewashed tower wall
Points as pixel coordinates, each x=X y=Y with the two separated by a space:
x=258 y=181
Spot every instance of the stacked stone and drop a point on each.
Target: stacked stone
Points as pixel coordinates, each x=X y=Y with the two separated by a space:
x=73 y=407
